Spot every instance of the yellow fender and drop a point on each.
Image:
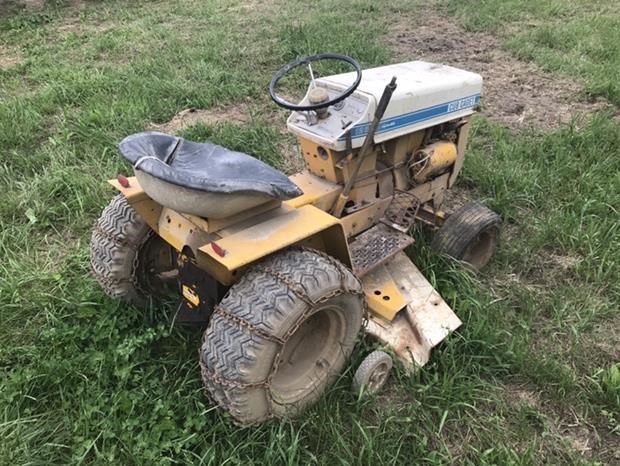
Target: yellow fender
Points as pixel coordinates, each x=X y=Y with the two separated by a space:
x=225 y=249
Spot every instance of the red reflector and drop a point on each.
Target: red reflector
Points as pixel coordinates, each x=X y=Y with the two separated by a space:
x=219 y=250
x=123 y=181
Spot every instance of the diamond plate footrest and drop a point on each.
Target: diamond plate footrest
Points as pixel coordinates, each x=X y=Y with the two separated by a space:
x=376 y=246
x=402 y=211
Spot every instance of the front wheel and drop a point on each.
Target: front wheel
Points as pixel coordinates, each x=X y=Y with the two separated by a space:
x=470 y=234
x=281 y=335
x=372 y=373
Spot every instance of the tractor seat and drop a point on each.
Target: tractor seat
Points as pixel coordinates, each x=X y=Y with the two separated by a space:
x=204 y=167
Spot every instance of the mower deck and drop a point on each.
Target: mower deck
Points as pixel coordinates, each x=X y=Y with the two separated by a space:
x=412 y=330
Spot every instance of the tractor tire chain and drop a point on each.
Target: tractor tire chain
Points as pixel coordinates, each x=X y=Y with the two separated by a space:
x=360 y=291
x=223 y=388
x=119 y=217
x=294 y=287
x=215 y=381
x=301 y=294
x=115 y=238
x=136 y=264
x=250 y=328
x=344 y=288
x=339 y=267
x=107 y=281
x=118 y=237
x=217 y=378
x=246 y=325
x=343 y=278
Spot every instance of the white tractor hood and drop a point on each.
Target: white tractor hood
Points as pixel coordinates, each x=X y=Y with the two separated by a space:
x=426 y=94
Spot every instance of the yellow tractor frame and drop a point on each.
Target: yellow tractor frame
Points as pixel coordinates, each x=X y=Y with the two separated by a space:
x=406 y=313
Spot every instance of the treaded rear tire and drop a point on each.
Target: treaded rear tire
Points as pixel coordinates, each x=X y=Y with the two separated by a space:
x=118 y=243
x=249 y=351
x=470 y=234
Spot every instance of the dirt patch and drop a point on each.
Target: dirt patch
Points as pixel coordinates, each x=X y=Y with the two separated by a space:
x=9 y=7
x=517 y=94
x=522 y=395
x=580 y=439
x=193 y=116
x=456 y=197
x=39 y=4
x=589 y=440
x=246 y=7
x=76 y=26
x=545 y=266
x=9 y=59
x=32 y=3
x=564 y=262
x=606 y=341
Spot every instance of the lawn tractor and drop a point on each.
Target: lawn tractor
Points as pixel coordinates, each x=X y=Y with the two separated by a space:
x=288 y=272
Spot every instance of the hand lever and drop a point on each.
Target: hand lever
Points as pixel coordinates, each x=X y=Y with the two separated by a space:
x=383 y=103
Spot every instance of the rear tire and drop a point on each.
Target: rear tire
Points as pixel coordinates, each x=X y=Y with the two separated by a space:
x=281 y=335
x=470 y=234
x=128 y=259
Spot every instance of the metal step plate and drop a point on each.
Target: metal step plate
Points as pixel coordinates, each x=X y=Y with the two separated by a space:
x=375 y=247
x=402 y=211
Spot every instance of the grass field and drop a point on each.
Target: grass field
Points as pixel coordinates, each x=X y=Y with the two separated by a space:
x=532 y=377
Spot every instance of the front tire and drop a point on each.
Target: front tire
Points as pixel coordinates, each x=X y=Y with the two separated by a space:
x=281 y=335
x=470 y=234
x=372 y=373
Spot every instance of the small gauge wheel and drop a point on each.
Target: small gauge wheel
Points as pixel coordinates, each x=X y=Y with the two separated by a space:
x=372 y=373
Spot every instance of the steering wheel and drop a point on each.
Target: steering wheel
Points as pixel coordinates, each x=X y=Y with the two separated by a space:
x=308 y=61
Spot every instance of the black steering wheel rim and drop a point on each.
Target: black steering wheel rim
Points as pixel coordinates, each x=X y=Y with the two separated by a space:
x=304 y=61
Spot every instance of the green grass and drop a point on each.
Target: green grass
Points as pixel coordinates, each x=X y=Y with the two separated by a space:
x=86 y=380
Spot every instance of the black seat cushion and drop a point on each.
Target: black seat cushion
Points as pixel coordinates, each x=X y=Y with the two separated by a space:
x=203 y=166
